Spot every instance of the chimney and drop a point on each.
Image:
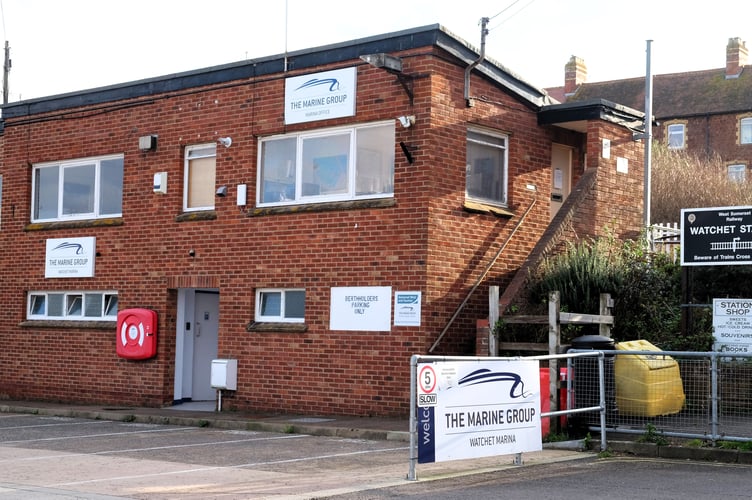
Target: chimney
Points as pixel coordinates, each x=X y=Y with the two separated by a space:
x=575 y=74
x=736 y=57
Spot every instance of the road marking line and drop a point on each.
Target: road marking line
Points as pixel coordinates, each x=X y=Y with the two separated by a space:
x=322 y=457
x=51 y=425
x=95 y=435
x=203 y=469
x=213 y=443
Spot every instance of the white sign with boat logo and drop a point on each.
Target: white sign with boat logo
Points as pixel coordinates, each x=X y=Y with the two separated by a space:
x=70 y=257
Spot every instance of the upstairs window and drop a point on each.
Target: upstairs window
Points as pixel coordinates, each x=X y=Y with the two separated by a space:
x=675 y=134
x=75 y=306
x=330 y=165
x=280 y=305
x=200 y=171
x=486 y=173
x=745 y=131
x=78 y=189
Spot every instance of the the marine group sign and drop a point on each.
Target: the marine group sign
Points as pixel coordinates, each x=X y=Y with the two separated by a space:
x=720 y=236
x=471 y=409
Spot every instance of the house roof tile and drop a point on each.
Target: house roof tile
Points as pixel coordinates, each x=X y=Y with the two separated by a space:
x=678 y=94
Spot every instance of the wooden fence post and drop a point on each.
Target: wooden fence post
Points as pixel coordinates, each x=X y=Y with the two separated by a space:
x=606 y=304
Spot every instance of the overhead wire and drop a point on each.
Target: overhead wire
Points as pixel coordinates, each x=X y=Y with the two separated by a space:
x=510 y=16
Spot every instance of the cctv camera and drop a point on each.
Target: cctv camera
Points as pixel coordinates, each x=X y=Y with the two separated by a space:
x=222 y=191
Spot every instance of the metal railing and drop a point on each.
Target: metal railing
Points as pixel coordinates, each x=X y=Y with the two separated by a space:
x=702 y=395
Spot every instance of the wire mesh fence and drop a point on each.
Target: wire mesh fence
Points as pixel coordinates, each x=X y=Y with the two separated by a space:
x=683 y=394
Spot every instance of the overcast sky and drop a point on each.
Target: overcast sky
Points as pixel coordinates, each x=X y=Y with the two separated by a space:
x=59 y=46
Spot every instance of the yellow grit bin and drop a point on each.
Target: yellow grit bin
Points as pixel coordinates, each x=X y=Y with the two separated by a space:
x=647 y=385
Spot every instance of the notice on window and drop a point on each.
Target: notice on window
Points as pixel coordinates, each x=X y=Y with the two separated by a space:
x=406 y=308
x=70 y=257
x=367 y=308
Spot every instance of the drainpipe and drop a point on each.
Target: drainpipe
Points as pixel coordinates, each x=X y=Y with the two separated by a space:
x=483 y=33
x=483 y=275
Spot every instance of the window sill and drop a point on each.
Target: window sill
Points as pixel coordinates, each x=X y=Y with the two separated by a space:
x=61 y=323
x=196 y=216
x=254 y=326
x=41 y=226
x=324 y=207
x=482 y=208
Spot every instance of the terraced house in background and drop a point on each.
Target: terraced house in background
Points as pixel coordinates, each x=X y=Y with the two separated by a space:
x=311 y=219
x=706 y=112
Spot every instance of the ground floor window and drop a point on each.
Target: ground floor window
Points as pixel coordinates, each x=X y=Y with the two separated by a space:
x=280 y=305
x=77 y=305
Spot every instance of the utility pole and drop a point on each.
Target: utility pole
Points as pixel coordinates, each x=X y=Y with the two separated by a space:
x=6 y=72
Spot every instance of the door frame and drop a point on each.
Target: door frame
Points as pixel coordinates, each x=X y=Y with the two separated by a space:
x=183 y=378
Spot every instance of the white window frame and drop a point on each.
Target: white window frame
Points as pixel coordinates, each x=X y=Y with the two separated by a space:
x=62 y=167
x=202 y=151
x=355 y=157
x=281 y=317
x=676 y=130
x=745 y=130
x=737 y=172
x=72 y=305
x=504 y=148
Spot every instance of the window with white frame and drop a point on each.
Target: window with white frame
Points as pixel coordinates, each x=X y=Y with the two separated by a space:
x=486 y=173
x=76 y=306
x=675 y=133
x=737 y=172
x=78 y=189
x=327 y=165
x=745 y=130
x=280 y=305
x=200 y=171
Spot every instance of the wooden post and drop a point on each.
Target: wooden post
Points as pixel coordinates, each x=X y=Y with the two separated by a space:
x=493 y=318
x=605 y=310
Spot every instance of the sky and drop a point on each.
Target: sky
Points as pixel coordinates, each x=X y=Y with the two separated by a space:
x=60 y=46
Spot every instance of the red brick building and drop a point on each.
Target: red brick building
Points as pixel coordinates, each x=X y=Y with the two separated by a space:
x=318 y=217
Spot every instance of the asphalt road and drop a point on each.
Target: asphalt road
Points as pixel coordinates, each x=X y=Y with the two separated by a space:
x=593 y=479
x=45 y=458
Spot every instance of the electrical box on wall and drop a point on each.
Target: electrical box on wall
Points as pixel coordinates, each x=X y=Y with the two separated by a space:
x=147 y=142
x=242 y=190
x=160 y=182
x=224 y=374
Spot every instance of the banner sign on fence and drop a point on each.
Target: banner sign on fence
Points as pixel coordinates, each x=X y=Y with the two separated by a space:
x=716 y=236
x=732 y=325
x=472 y=409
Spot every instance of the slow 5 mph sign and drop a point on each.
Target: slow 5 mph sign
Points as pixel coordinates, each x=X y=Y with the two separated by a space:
x=426 y=386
